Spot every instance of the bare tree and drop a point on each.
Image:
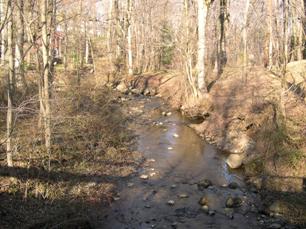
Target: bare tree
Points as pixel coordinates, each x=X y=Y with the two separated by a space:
x=10 y=86
x=129 y=37
x=203 y=7
x=45 y=75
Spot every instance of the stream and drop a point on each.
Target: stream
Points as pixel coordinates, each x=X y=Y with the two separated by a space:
x=166 y=192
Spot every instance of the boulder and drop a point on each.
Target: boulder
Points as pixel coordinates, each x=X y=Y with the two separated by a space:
x=122 y=88
x=234 y=161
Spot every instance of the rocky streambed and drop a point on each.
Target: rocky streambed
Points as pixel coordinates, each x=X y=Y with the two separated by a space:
x=184 y=182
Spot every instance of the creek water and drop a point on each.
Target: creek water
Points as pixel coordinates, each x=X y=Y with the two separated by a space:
x=176 y=160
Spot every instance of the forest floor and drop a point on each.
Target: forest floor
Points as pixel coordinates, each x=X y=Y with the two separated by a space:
x=91 y=153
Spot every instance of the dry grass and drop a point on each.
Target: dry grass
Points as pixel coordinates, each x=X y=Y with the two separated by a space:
x=90 y=155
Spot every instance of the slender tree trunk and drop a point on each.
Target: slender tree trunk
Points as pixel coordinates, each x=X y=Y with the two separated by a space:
x=245 y=38
x=223 y=18
x=188 y=60
x=300 y=31
x=202 y=14
x=10 y=87
x=3 y=37
x=270 y=22
x=66 y=42
x=86 y=44
x=109 y=35
x=20 y=44
x=129 y=37
x=45 y=76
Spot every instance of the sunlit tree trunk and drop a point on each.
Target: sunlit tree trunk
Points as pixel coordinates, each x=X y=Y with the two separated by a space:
x=109 y=34
x=129 y=37
x=202 y=14
x=45 y=76
x=188 y=59
x=299 y=16
x=270 y=23
x=20 y=44
x=245 y=38
x=10 y=86
x=3 y=37
x=65 y=57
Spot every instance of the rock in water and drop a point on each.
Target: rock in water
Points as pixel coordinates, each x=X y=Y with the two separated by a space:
x=204 y=184
x=183 y=196
x=275 y=226
x=176 y=135
x=144 y=176
x=234 y=161
x=233 y=185
x=211 y=212
x=171 y=202
x=203 y=201
x=205 y=209
x=233 y=202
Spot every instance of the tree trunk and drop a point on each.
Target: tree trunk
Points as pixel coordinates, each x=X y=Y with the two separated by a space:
x=20 y=44
x=65 y=58
x=3 y=37
x=270 y=20
x=10 y=87
x=300 y=31
x=222 y=43
x=202 y=14
x=245 y=38
x=109 y=35
x=45 y=77
x=129 y=37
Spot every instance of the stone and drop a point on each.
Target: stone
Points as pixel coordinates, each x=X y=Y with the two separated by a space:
x=203 y=201
x=173 y=186
x=183 y=196
x=151 y=160
x=144 y=176
x=233 y=202
x=171 y=202
x=130 y=185
x=205 y=209
x=147 y=206
x=122 y=87
x=234 y=161
x=229 y=212
x=204 y=184
x=136 y=91
x=153 y=174
x=275 y=226
x=176 y=135
x=233 y=185
x=169 y=114
x=147 y=92
x=211 y=212
x=170 y=148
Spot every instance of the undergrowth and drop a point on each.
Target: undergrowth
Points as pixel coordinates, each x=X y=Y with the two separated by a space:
x=90 y=153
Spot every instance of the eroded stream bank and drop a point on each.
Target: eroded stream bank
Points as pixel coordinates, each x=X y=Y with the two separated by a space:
x=179 y=170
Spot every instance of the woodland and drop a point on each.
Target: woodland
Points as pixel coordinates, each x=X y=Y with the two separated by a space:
x=152 y=114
